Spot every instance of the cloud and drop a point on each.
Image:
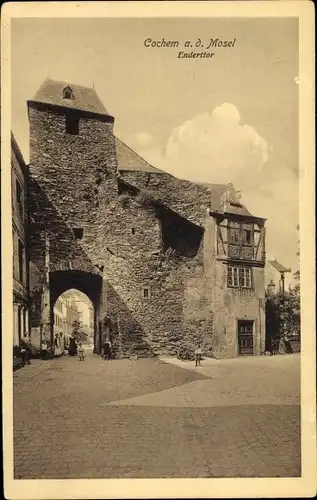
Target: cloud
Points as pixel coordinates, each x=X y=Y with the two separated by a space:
x=142 y=139
x=217 y=147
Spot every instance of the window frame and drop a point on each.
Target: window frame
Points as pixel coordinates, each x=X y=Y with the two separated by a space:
x=240 y=277
x=148 y=290
x=245 y=240
x=21 y=260
x=19 y=197
x=68 y=93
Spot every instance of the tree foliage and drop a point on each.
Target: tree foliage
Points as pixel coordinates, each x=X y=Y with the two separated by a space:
x=78 y=332
x=283 y=311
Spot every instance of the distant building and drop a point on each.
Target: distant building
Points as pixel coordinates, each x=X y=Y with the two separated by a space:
x=274 y=271
x=21 y=303
x=60 y=317
x=72 y=314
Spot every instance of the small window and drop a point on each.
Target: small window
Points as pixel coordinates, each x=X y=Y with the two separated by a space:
x=19 y=198
x=78 y=233
x=72 y=124
x=68 y=93
x=246 y=236
x=132 y=230
x=21 y=261
x=146 y=293
x=234 y=235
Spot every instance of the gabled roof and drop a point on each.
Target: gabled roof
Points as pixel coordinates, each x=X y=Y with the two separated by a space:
x=279 y=267
x=84 y=98
x=130 y=160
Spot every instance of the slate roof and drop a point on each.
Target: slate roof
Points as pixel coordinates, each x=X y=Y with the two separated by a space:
x=130 y=160
x=230 y=209
x=279 y=267
x=85 y=98
x=217 y=190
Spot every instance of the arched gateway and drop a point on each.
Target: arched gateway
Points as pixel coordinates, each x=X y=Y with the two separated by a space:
x=88 y=283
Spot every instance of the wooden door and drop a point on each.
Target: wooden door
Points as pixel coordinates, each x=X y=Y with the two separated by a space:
x=245 y=337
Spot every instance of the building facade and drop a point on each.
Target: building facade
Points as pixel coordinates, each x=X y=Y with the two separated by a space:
x=60 y=317
x=277 y=274
x=65 y=312
x=21 y=302
x=164 y=261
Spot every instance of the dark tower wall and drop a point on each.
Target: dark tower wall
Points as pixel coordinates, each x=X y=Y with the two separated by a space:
x=77 y=172
x=72 y=181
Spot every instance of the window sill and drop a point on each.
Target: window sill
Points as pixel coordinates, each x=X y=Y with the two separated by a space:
x=240 y=287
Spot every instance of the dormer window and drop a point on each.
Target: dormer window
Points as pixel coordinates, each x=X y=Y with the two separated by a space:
x=68 y=93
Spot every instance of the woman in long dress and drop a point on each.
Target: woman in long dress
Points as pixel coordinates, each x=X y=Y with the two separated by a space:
x=57 y=347
x=72 y=348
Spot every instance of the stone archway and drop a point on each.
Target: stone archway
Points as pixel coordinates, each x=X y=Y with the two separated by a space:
x=90 y=284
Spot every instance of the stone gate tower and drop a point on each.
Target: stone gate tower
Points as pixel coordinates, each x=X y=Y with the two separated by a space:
x=162 y=259
x=72 y=186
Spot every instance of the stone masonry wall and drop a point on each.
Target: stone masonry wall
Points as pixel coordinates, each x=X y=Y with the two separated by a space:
x=133 y=262
x=71 y=178
x=186 y=198
x=74 y=184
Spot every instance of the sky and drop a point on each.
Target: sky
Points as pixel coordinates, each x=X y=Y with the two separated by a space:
x=229 y=118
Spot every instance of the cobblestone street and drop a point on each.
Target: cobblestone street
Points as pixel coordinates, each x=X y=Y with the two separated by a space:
x=157 y=418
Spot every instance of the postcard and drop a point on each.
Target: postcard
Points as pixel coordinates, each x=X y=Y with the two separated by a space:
x=158 y=249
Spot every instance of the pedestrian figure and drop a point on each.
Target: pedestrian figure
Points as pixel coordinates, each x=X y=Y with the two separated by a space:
x=44 y=350
x=26 y=349
x=288 y=347
x=57 y=346
x=81 y=351
x=198 y=354
x=72 y=348
x=107 y=349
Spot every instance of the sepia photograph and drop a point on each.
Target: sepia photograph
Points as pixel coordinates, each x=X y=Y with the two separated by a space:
x=156 y=277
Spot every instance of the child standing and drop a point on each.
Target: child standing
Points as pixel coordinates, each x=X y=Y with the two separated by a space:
x=198 y=354
x=44 y=349
x=81 y=351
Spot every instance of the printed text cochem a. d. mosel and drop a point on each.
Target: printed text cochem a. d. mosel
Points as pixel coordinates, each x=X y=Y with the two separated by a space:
x=211 y=43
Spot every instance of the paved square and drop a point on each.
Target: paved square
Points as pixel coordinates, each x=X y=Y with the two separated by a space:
x=157 y=418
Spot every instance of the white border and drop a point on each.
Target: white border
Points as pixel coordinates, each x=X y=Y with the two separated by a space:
x=174 y=488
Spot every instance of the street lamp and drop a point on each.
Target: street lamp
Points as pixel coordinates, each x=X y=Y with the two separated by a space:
x=271 y=288
x=270 y=311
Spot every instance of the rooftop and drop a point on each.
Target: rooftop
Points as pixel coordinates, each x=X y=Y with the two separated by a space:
x=83 y=98
x=130 y=160
x=279 y=267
